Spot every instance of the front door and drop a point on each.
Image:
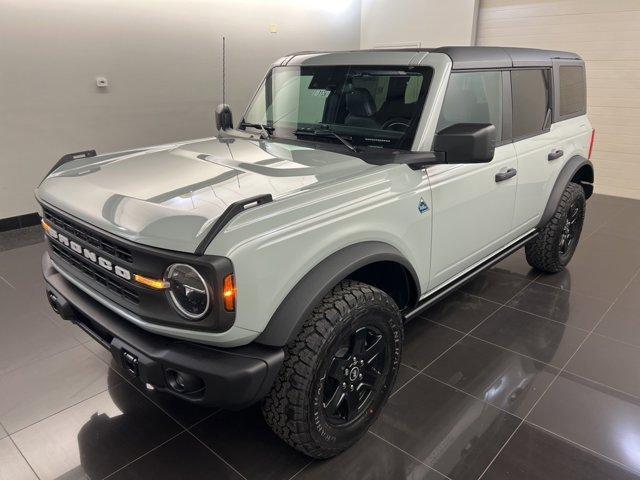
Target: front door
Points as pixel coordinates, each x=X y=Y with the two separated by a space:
x=473 y=204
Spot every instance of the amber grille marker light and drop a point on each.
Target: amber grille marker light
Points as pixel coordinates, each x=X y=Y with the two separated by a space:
x=151 y=282
x=45 y=226
x=229 y=293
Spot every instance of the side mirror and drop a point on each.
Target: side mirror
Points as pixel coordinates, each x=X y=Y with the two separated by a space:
x=224 y=119
x=466 y=143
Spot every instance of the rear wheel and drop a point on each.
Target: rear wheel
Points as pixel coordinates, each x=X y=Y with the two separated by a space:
x=553 y=248
x=338 y=372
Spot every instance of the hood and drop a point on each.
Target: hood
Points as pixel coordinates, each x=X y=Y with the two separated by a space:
x=169 y=196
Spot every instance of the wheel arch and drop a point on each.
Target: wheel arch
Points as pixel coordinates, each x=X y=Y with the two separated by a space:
x=578 y=170
x=376 y=263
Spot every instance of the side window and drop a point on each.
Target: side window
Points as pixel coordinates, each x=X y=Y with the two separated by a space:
x=572 y=90
x=530 y=97
x=473 y=97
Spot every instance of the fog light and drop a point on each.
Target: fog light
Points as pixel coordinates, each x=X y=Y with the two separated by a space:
x=183 y=382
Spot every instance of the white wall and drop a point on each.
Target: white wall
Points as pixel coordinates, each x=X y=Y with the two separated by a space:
x=432 y=23
x=162 y=59
x=607 y=36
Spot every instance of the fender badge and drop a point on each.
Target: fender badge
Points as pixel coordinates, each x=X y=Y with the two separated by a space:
x=422 y=206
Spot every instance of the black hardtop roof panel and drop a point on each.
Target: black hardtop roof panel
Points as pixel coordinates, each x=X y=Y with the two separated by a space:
x=501 y=57
x=472 y=57
x=477 y=57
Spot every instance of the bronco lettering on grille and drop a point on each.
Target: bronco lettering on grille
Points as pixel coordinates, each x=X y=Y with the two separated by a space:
x=89 y=255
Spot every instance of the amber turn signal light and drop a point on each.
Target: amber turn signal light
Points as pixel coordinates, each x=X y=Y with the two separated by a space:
x=229 y=293
x=151 y=282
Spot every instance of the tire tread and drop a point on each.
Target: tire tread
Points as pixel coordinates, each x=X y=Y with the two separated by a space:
x=284 y=408
x=542 y=252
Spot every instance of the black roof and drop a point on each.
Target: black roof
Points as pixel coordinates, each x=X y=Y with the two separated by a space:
x=487 y=57
x=484 y=57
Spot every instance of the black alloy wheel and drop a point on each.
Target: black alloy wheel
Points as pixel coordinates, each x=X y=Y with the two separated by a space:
x=570 y=230
x=355 y=373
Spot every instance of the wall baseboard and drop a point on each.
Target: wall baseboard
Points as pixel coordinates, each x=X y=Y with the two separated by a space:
x=21 y=221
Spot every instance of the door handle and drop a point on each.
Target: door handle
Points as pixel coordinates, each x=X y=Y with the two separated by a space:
x=502 y=176
x=555 y=154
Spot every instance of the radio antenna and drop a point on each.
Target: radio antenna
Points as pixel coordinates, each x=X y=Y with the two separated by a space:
x=223 y=70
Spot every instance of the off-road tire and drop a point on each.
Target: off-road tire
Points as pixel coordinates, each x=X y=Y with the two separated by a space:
x=294 y=408
x=544 y=252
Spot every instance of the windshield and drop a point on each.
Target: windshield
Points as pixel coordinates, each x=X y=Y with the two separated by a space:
x=369 y=106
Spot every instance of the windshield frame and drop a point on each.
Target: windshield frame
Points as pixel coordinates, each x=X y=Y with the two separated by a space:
x=367 y=139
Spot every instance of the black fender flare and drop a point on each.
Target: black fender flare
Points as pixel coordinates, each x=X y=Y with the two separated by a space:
x=296 y=307
x=568 y=172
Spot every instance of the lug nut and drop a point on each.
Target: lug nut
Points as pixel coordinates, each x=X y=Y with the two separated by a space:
x=346 y=371
x=344 y=384
x=360 y=376
x=351 y=387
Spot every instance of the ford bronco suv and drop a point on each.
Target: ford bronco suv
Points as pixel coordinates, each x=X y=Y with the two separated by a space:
x=278 y=261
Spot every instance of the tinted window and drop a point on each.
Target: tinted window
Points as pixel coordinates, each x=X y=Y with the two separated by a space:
x=530 y=92
x=572 y=90
x=473 y=97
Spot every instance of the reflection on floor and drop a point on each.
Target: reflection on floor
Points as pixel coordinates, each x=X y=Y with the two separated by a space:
x=517 y=376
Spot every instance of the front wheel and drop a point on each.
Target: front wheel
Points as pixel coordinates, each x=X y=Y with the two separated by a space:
x=338 y=372
x=553 y=248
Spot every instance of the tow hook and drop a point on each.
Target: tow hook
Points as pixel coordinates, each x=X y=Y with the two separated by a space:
x=53 y=301
x=60 y=305
x=130 y=362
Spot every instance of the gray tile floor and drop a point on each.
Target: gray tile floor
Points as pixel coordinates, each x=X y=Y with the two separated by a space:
x=517 y=376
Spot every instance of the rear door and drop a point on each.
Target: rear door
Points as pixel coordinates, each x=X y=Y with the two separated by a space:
x=473 y=205
x=539 y=147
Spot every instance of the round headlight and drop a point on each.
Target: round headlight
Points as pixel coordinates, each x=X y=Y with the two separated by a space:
x=188 y=291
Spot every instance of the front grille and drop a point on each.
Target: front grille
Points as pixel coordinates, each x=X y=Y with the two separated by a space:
x=94 y=272
x=88 y=236
x=81 y=250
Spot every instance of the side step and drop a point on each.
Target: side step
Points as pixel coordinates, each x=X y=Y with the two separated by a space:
x=448 y=288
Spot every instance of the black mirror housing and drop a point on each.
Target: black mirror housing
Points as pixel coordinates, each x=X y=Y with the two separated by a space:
x=224 y=118
x=466 y=142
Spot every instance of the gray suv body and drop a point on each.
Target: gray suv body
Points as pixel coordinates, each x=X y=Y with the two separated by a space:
x=278 y=260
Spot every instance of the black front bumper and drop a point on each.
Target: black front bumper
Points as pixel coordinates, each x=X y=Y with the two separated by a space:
x=230 y=378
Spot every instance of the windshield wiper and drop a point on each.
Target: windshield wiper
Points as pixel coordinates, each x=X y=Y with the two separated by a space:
x=266 y=129
x=327 y=133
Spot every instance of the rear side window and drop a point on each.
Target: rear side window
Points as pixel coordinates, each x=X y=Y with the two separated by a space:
x=572 y=90
x=473 y=97
x=530 y=97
